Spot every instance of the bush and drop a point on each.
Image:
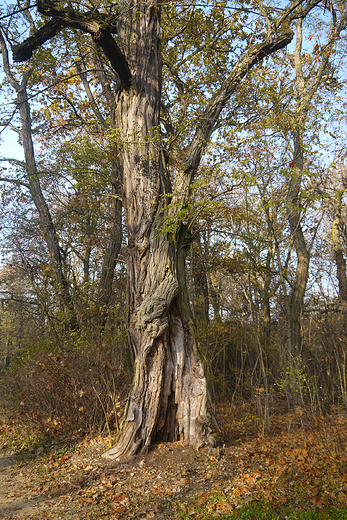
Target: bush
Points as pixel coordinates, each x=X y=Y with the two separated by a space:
x=58 y=393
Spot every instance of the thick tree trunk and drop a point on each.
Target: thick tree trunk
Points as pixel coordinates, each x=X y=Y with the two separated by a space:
x=168 y=400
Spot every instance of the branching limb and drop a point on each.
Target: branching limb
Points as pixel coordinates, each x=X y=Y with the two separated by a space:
x=277 y=38
x=24 y=51
x=93 y=23
x=15 y=181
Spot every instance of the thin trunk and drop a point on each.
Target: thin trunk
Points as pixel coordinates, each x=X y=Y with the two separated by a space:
x=338 y=254
x=45 y=218
x=201 y=300
x=34 y=186
x=112 y=251
x=294 y=214
x=306 y=89
x=215 y=298
x=116 y=232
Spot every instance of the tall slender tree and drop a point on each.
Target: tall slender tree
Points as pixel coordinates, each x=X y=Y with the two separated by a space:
x=307 y=85
x=33 y=176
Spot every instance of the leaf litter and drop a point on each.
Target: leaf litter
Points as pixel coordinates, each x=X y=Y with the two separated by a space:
x=299 y=467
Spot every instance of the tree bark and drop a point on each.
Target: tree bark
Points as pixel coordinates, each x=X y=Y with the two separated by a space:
x=169 y=395
x=294 y=213
x=338 y=253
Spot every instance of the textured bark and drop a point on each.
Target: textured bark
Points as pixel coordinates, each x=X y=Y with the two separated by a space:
x=168 y=398
x=168 y=401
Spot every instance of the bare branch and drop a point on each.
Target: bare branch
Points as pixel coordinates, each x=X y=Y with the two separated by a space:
x=6 y=64
x=15 y=181
x=14 y=161
x=90 y=96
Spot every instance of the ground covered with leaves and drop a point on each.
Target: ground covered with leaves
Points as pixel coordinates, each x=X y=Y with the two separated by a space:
x=297 y=472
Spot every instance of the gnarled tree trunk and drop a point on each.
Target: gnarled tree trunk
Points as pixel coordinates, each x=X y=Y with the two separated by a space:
x=168 y=398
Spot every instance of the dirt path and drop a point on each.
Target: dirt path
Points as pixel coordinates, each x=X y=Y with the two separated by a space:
x=39 y=489
x=15 y=494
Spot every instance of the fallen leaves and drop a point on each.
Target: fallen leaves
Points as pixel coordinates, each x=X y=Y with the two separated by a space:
x=306 y=468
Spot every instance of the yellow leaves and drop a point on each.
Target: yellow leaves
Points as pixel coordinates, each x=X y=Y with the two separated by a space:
x=342 y=498
x=240 y=490
x=223 y=507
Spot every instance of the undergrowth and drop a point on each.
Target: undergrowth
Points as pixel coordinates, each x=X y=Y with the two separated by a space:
x=61 y=394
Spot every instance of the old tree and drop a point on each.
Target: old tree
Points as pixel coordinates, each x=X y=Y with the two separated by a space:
x=168 y=399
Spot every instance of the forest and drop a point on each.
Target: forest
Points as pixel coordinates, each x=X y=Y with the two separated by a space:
x=173 y=220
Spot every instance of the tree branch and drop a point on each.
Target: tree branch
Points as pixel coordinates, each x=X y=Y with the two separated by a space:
x=15 y=181
x=98 y=26
x=24 y=51
x=279 y=37
x=6 y=64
